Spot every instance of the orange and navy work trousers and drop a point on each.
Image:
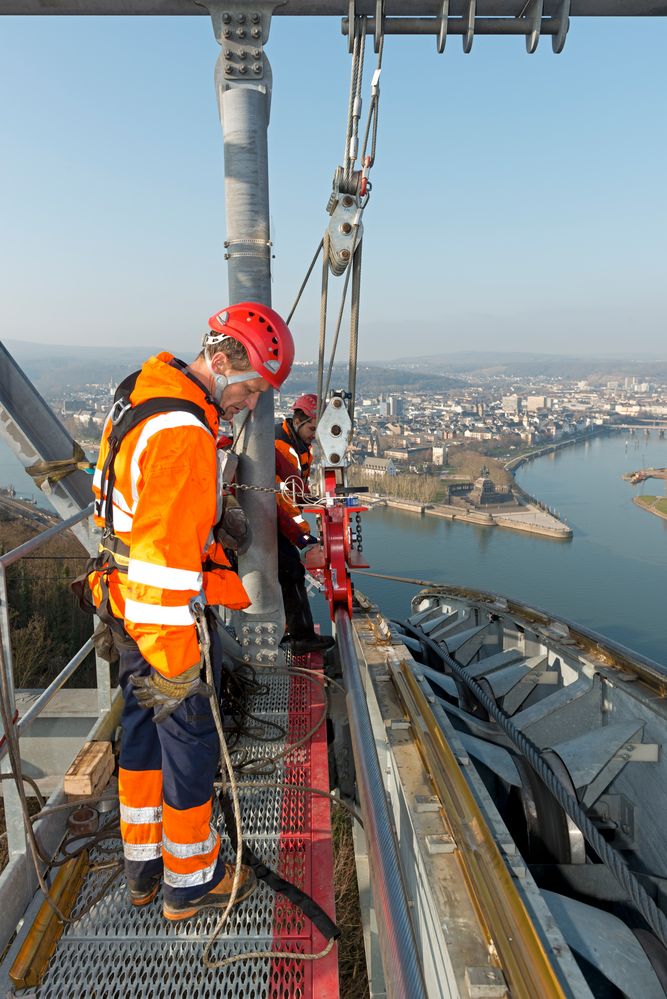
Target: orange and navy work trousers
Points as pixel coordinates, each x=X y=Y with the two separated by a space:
x=165 y=785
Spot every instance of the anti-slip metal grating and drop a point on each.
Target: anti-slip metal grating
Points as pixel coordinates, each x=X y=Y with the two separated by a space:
x=117 y=951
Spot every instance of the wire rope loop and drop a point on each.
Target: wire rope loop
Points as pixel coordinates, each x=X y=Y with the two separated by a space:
x=378 y=37
x=351 y=24
x=442 y=32
x=469 y=35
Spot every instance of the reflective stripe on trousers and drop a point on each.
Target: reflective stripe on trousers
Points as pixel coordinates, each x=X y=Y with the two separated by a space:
x=166 y=785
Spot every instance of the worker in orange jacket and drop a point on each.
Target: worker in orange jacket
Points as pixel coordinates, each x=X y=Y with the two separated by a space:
x=158 y=502
x=294 y=456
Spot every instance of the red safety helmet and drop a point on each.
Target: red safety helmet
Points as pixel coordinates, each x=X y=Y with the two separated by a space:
x=307 y=404
x=262 y=332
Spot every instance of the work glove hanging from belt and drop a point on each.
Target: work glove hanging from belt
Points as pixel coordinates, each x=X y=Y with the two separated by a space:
x=166 y=693
x=232 y=530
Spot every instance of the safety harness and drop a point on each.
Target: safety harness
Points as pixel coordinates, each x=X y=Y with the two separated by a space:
x=113 y=554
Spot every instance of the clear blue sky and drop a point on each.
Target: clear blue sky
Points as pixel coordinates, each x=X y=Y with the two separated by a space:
x=519 y=201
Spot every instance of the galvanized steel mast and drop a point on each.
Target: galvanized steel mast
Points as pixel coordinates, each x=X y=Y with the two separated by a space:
x=243 y=85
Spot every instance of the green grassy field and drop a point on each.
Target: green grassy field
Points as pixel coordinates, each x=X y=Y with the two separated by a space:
x=657 y=503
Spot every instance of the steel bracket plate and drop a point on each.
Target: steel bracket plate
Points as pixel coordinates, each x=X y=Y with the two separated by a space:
x=242 y=30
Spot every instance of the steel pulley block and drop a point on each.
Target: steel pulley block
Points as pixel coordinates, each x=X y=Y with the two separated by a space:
x=345 y=229
x=334 y=432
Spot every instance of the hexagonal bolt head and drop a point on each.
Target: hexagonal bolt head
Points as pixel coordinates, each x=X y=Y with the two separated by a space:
x=240 y=32
x=337 y=403
x=256 y=32
x=240 y=18
x=226 y=18
x=243 y=69
x=242 y=53
x=255 y=18
x=256 y=53
x=345 y=254
x=346 y=228
x=336 y=430
x=257 y=68
x=348 y=201
x=227 y=33
x=229 y=54
x=229 y=70
x=335 y=458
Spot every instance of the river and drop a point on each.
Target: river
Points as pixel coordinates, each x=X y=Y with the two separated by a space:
x=12 y=473
x=611 y=577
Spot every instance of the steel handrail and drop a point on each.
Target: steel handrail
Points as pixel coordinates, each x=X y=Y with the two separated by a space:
x=6 y=560
x=398 y=945
x=9 y=558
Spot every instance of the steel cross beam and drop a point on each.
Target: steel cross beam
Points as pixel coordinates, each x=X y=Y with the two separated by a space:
x=341 y=8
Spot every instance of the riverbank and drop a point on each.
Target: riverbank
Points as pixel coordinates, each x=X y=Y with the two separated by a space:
x=656 y=505
x=539 y=452
x=529 y=518
x=610 y=576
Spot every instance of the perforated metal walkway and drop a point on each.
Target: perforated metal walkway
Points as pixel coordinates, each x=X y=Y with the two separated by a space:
x=116 y=952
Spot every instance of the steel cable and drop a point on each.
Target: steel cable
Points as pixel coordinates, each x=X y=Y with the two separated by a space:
x=354 y=327
x=324 y=305
x=304 y=282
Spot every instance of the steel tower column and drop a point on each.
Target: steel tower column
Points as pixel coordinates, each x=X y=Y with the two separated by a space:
x=243 y=86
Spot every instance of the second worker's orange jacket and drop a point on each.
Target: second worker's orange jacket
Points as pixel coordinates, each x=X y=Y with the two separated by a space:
x=293 y=460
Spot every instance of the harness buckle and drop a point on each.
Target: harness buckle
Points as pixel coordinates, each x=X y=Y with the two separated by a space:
x=118 y=410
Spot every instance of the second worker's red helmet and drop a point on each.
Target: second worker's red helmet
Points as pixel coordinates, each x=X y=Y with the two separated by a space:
x=307 y=404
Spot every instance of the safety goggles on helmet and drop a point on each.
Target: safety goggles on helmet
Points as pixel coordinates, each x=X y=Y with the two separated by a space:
x=265 y=336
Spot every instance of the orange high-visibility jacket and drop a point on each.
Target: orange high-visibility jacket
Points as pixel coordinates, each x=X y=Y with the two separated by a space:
x=166 y=501
x=293 y=459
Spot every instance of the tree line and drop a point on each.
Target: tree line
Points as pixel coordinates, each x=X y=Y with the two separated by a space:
x=47 y=625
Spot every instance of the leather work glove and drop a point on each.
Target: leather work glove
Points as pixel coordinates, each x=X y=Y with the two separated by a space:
x=233 y=530
x=166 y=693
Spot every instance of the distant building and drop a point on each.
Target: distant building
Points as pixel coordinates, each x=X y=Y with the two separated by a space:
x=396 y=406
x=511 y=404
x=379 y=466
x=537 y=402
x=414 y=454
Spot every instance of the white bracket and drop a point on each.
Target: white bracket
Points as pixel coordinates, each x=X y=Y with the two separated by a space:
x=334 y=432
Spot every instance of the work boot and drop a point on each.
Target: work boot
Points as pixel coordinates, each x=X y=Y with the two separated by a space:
x=216 y=898
x=143 y=892
x=310 y=643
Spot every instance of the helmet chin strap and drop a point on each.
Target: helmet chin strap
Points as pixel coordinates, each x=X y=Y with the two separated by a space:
x=220 y=382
